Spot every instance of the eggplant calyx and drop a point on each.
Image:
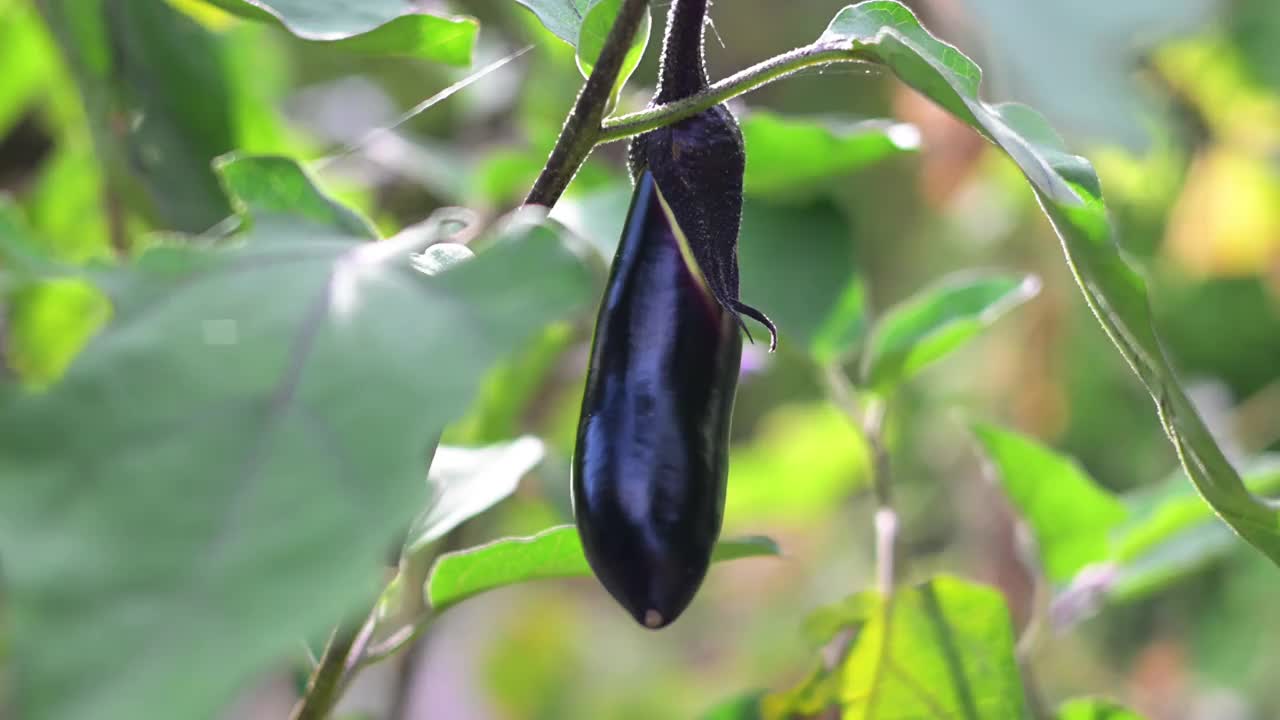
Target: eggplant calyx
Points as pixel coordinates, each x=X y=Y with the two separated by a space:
x=740 y=308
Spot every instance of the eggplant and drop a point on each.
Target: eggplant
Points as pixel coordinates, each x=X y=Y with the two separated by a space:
x=651 y=462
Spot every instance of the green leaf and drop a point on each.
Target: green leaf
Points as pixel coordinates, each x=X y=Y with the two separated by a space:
x=562 y=17
x=49 y=322
x=512 y=389
x=815 y=443
x=813 y=290
x=262 y=412
x=743 y=707
x=46 y=316
x=1174 y=533
x=268 y=187
x=1094 y=709
x=1069 y=514
x=791 y=156
x=465 y=482
x=595 y=28
x=937 y=320
x=553 y=553
x=1070 y=194
x=376 y=27
x=943 y=649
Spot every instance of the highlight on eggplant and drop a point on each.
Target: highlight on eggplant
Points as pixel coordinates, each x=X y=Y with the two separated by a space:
x=651 y=463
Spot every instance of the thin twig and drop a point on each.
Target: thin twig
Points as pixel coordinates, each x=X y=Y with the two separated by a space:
x=869 y=418
x=744 y=81
x=582 y=129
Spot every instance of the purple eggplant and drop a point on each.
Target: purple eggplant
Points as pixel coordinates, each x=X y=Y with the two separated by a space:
x=651 y=463
x=652 y=459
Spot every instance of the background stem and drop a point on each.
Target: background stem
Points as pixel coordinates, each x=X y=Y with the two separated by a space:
x=581 y=130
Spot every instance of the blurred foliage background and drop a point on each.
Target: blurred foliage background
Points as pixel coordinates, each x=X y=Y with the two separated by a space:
x=1176 y=101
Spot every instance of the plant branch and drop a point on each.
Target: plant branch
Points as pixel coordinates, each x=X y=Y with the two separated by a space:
x=741 y=82
x=869 y=417
x=323 y=689
x=582 y=129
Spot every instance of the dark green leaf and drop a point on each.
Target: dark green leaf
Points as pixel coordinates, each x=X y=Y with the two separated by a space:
x=943 y=649
x=465 y=482
x=1094 y=709
x=790 y=156
x=553 y=553
x=377 y=27
x=155 y=87
x=1069 y=514
x=811 y=289
x=1070 y=194
x=262 y=413
x=936 y=321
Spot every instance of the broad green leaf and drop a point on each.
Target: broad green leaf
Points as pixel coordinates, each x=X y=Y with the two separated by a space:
x=936 y=321
x=1069 y=514
x=812 y=290
x=801 y=464
x=553 y=553
x=262 y=412
x=562 y=17
x=1070 y=194
x=943 y=649
x=376 y=27
x=464 y=482
x=791 y=156
x=66 y=205
x=596 y=24
x=1175 y=533
x=1094 y=709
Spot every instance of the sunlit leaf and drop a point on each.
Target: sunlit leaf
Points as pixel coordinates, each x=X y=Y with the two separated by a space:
x=1094 y=709
x=791 y=156
x=1069 y=514
x=553 y=553
x=936 y=650
x=935 y=321
x=378 y=27
x=266 y=187
x=465 y=482
x=261 y=411
x=1070 y=194
x=596 y=25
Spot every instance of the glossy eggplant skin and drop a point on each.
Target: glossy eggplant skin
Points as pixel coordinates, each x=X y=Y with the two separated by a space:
x=651 y=462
